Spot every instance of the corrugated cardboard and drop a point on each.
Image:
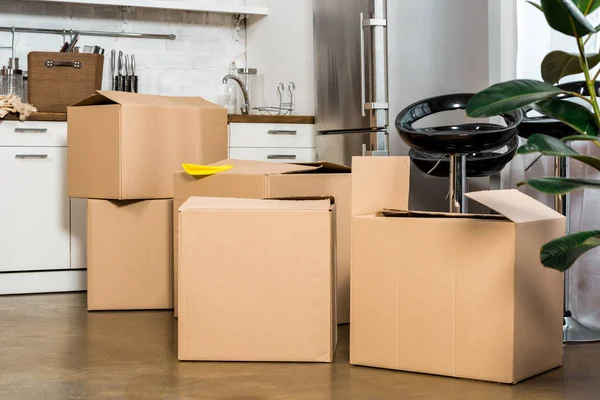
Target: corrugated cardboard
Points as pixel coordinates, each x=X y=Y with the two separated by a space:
x=129 y=255
x=259 y=180
x=455 y=295
x=257 y=280
x=127 y=145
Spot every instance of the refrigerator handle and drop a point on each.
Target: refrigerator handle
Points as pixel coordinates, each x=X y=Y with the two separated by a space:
x=363 y=99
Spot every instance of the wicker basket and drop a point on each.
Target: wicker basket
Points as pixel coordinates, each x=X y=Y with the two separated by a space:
x=58 y=80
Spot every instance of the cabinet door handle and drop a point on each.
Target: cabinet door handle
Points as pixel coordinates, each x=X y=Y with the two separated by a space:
x=280 y=132
x=281 y=157
x=31 y=130
x=30 y=156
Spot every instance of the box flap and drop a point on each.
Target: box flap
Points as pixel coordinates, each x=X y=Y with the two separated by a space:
x=93 y=100
x=112 y=97
x=198 y=102
x=262 y=167
x=514 y=205
x=328 y=167
x=220 y=203
x=432 y=214
x=379 y=183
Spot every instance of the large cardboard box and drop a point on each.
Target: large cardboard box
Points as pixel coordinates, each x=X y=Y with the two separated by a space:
x=455 y=295
x=129 y=255
x=127 y=145
x=257 y=280
x=259 y=180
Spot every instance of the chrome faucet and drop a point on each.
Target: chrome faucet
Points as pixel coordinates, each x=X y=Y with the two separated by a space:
x=244 y=108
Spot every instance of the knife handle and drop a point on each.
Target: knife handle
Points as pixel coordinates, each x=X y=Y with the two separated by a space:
x=127 y=83
x=134 y=83
x=120 y=83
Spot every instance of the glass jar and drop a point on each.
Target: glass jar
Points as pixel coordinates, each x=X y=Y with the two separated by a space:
x=253 y=85
x=11 y=79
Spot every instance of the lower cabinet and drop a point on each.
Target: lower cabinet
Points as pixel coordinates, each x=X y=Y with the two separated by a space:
x=42 y=231
x=34 y=209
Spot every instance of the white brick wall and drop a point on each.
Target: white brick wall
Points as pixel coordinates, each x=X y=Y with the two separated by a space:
x=192 y=65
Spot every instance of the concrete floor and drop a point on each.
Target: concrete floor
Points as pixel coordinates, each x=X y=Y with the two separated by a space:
x=51 y=348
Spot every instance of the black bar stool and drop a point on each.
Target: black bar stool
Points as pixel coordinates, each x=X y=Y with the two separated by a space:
x=457 y=151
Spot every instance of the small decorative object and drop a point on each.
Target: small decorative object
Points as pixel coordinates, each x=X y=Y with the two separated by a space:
x=12 y=104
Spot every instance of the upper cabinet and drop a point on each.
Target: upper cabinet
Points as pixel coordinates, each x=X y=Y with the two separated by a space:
x=249 y=7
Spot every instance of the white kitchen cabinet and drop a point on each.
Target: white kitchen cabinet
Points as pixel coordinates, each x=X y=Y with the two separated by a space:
x=278 y=154
x=271 y=135
x=42 y=232
x=275 y=142
x=249 y=7
x=33 y=133
x=34 y=209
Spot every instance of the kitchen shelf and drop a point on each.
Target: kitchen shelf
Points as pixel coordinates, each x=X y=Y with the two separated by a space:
x=197 y=5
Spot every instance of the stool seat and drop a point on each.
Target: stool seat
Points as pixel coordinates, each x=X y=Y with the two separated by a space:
x=477 y=164
x=550 y=126
x=453 y=139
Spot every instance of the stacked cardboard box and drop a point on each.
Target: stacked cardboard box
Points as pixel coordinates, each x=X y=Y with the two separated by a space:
x=451 y=294
x=257 y=280
x=123 y=149
x=260 y=180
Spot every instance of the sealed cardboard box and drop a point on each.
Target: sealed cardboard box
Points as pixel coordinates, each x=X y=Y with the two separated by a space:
x=257 y=280
x=259 y=180
x=128 y=145
x=129 y=255
x=456 y=295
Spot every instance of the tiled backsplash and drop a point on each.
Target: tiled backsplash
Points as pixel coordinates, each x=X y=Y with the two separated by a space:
x=191 y=65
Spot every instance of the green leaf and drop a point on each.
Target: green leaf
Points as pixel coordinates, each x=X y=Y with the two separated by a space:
x=536 y=5
x=558 y=64
x=587 y=6
x=552 y=185
x=509 y=96
x=561 y=253
x=572 y=114
x=550 y=146
x=566 y=17
x=576 y=138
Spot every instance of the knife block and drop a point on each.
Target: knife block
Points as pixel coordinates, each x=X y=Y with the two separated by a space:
x=59 y=80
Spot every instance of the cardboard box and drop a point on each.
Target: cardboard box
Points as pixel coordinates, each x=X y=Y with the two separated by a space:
x=129 y=255
x=257 y=280
x=128 y=145
x=455 y=295
x=259 y=180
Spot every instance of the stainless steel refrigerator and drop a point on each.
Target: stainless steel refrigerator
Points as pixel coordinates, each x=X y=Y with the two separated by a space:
x=375 y=57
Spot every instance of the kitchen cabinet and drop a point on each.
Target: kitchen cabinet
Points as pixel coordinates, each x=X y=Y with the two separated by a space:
x=34 y=209
x=250 y=7
x=276 y=142
x=42 y=232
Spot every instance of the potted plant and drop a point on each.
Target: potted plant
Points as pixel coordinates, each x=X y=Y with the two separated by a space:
x=568 y=17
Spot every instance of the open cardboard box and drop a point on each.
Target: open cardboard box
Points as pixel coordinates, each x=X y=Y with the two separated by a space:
x=456 y=295
x=257 y=280
x=261 y=180
x=128 y=145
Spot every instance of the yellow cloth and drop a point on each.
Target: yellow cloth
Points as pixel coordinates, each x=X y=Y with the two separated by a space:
x=201 y=170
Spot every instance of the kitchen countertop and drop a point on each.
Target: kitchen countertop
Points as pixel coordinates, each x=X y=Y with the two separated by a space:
x=271 y=119
x=257 y=119
x=40 y=116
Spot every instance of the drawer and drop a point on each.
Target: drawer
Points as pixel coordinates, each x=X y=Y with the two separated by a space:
x=278 y=154
x=33 y=133
x=271 y=135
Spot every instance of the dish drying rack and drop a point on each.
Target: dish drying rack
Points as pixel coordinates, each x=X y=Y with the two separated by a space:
x=285 y=108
